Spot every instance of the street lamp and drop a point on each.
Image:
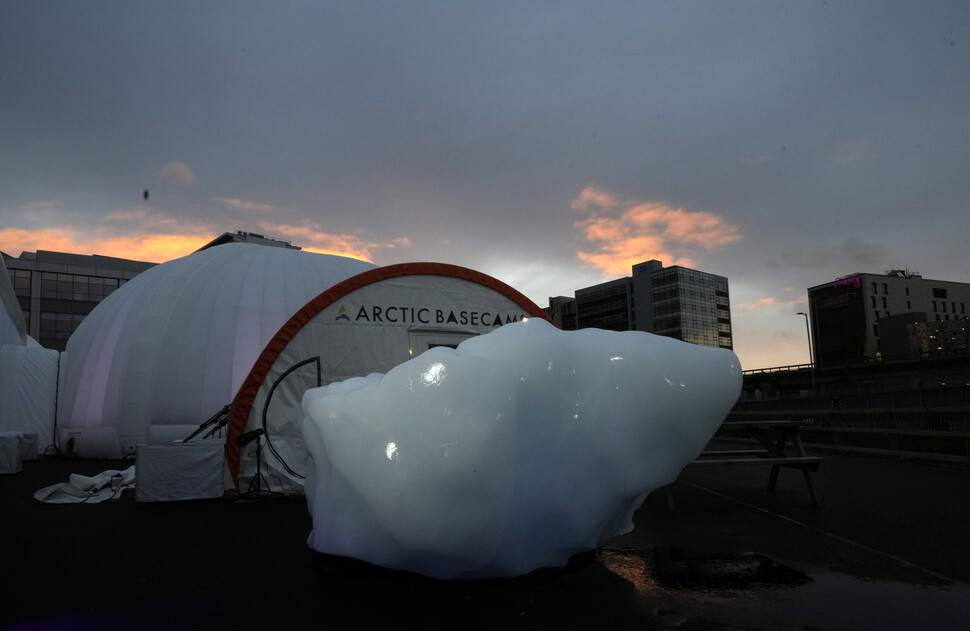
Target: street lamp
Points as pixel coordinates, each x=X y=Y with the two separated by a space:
x=811 y=353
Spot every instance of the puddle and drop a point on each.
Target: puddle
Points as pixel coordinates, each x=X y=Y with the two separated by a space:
x=690 y=570
x=680 y=568
x=693 y=590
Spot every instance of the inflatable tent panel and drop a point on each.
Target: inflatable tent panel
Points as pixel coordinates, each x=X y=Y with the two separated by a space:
x=28 y=390
x=13 y=330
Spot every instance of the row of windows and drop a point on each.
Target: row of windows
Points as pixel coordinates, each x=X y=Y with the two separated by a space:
x=937 y=307
x=20 y=279
x=675 y=306
x=875 y=327
x=603 y=293
x=938 y=292
x=953 y=307
x=64 y=286
x=606 y=305
x=76 y=287
x=58 y=326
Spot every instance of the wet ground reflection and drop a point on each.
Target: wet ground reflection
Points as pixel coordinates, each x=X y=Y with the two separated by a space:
x=694 y=590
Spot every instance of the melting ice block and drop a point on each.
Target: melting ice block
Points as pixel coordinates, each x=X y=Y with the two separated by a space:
x=514 y=452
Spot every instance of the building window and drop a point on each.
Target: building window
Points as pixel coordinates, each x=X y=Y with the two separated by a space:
x=883 y=302
x=908 y=306
x=875 y=330
x=907 y=291
x=934 y=307
x=944 y=306
x=939 y=292
x=885 y=288
x=872 y=299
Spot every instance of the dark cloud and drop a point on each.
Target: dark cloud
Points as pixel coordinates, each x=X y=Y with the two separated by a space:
x=820 y=130
x=868 y=257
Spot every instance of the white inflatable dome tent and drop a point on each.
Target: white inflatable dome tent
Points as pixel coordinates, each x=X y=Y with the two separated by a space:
x=171 y=347
x=365 y=324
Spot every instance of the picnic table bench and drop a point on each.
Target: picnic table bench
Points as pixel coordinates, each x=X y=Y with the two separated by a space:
x=773 y=436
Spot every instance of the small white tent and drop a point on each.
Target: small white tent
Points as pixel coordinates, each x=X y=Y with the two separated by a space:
x=28 y=389
x=368 y=323
x=28 y=377
x=170 y=348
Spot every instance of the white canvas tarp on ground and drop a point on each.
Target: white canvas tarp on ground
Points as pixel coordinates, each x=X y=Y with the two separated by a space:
x=28 y=390
x=368 y=323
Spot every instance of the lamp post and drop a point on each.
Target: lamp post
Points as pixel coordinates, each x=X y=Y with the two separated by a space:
x=811 y=353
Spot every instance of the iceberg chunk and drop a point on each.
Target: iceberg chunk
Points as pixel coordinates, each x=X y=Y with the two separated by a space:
x=513 y=452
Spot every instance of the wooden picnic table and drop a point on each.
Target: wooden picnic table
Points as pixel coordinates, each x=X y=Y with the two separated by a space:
x=774 y=438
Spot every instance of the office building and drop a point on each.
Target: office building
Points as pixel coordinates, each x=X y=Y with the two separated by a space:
x=863 y=316
x=675 y=301
x=562 y=312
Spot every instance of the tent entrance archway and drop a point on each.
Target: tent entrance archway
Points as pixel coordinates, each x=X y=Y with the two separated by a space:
x=315 y=361
x=420 y=341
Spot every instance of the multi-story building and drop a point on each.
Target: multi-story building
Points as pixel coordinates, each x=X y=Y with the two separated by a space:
x=861 y=316
x=675 y=301
x=562 y=312
x=56 y=290
x=939 y=337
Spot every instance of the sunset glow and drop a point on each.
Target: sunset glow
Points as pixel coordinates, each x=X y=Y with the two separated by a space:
x=624 y=232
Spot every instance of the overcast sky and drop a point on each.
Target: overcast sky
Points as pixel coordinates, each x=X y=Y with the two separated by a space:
x=549 y=144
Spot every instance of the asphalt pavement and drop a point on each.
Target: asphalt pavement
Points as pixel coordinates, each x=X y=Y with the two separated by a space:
x=887 y=549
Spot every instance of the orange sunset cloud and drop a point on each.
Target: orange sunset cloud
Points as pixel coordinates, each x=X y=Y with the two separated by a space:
x=138 y=246
x=624 y=233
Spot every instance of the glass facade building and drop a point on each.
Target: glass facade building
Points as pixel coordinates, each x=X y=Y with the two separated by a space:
x=676 y=301
x=692 y=306
x=607 y=306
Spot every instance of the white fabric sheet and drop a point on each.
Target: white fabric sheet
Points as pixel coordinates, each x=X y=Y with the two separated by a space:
x=181 y=471
x=11 y=452
x=81 y=489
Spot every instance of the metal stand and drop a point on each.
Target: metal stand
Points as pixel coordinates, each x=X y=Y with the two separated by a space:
x=258 y=486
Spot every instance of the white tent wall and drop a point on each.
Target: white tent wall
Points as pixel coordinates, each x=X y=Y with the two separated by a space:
x=169 y=348
x=369 y=329
x=13 y=330
x=28 y=389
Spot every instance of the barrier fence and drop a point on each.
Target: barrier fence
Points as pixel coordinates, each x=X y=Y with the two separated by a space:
x=924 y=421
